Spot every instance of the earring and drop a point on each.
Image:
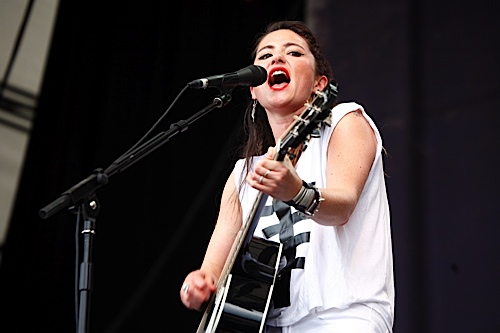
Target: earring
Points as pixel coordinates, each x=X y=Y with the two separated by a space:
x=253 y=110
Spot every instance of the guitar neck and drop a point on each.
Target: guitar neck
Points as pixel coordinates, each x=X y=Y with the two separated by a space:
x=244 y=235
x=247 y=229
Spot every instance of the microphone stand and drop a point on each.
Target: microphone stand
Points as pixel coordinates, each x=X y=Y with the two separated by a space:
x=82 y=200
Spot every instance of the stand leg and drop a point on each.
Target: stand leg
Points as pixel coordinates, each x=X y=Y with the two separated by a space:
x=90 y=208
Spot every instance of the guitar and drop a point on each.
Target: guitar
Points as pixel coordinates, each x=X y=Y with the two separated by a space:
x=243 y=295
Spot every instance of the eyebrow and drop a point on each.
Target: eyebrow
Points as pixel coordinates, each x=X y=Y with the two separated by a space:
x=286 y=45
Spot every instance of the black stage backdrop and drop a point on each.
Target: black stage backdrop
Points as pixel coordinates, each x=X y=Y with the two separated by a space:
x=428 y=73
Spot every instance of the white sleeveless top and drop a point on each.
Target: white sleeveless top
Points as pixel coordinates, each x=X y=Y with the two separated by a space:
x=343 y=265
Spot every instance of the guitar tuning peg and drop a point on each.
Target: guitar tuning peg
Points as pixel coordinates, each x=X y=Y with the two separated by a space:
x=328 y=120
x=315 y=133
x=304 y=145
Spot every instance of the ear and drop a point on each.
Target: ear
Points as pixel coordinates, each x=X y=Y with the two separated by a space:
x=252 y=93
x=321 y=83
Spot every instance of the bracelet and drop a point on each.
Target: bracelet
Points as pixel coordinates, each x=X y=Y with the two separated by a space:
x=307 y=200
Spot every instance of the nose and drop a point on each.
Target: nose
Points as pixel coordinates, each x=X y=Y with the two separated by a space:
x=278 y=58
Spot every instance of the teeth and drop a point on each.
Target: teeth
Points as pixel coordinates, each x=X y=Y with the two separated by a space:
x=278 y=77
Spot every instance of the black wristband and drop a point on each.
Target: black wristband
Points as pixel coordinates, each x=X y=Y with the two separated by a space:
x=307 y=200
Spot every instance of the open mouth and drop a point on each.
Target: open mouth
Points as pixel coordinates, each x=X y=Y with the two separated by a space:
x=278 y=77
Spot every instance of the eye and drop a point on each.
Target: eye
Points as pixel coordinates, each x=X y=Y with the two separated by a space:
x=265 y=56
x=296 y=53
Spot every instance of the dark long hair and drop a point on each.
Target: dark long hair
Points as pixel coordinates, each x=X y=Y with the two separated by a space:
x=258 y=131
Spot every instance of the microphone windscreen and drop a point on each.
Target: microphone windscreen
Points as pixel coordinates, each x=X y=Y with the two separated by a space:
x=252 y=75
x=259 y=75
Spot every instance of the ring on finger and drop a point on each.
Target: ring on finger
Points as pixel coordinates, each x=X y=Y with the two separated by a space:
x=260 y=179
x=185 y=287
x=267 y=172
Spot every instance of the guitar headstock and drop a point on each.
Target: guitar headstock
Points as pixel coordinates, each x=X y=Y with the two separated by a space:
x=308 y=124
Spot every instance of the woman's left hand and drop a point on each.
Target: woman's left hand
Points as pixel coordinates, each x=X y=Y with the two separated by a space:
x=278 y=179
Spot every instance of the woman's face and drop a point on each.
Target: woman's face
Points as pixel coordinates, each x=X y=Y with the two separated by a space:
x=291 y=72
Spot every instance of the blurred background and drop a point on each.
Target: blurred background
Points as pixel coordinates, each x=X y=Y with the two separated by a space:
x=83 y=81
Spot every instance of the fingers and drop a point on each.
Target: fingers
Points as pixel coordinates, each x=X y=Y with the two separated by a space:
x=196 y=290
x=267 y=172
x=264 y=175
x=278 y=179
x=185 y=287
x=270 y=152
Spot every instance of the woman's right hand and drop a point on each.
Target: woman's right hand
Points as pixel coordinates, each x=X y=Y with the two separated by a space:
x=197 y=289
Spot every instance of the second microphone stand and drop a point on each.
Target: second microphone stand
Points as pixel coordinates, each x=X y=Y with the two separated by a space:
x=82 y=200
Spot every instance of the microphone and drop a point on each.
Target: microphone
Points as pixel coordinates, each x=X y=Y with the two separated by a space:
x=252 y=75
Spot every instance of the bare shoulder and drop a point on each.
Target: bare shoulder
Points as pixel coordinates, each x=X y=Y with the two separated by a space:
x=353 y=123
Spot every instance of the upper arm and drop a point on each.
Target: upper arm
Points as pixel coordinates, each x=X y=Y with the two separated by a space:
x=351 y=152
